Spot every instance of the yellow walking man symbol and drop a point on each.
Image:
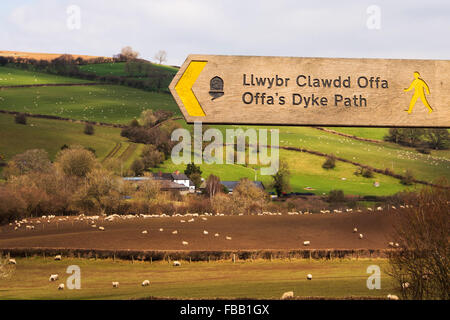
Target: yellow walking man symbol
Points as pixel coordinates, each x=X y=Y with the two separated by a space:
x=419 y=87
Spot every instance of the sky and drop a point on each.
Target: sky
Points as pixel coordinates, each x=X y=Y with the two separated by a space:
x=353 y=29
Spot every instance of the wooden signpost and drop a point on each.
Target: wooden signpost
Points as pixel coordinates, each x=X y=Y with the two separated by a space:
x=313 y=91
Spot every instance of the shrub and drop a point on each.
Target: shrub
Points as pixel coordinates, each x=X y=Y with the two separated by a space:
x=20 y=118
x=367 y=173
x=408 y=178
x=423 y=150
x=330 y=162
x=137 y=167
x=336 y=196
x=89 y=129
x=76 y=161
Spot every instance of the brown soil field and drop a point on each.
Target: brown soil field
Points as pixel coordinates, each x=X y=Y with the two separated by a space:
x=41 y=56
x=324 y=231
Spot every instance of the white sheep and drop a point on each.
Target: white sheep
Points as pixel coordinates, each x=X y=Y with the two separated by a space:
x=176 y=263
x=101 y=228
x=355 y=230
x=53 y=277
x=396 y=245
x=306 y=243
x=287 y=295
x=191 y=220
x=161 y=229
x=205 y=232
x=175 y=232
x=405 y=285
x=216 y=235
x=145 y=283
x=392 y=297
x=58 y=257
x=309 y=276
x=182 y=221
x=185 y=243
x=144 y=232
x=115 y=284
x=204 y=219
x=391 y=244
x=12 y=261
x=228 y=238
x=61 y=286
x=360 y=235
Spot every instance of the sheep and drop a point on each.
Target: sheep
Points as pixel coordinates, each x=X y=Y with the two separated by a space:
x=379 y=209
x=360 y=235
x=61 y=286
x=94 y=226
x=185 y=243
x=12 y=261
x=58 y=257
x=355 y=230
x=392 y=297
x=161 y=229
x=309 y=276
x=391 y=244
x=216 y=235
x=204 y=219
x=396 y=245
x=228 y=238
x=176 y=263
x=144 y=232
x=182 y=221
x=405 y=285
x=205 y=232
x=175 y=232
x=191 y=220
x=306 y=243
x=145 y=283
x=53 y=277
x=101 y=228
x=287 y=295
x=115 y=284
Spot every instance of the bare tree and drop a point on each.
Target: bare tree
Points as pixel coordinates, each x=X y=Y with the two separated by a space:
x=128 y=54
x=161 y=56
x=421 y=264
x=213 y=186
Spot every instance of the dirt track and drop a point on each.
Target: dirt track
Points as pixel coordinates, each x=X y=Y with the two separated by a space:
x=325 y=231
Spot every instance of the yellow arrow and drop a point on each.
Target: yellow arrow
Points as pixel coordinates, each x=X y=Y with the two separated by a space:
x=184 y=88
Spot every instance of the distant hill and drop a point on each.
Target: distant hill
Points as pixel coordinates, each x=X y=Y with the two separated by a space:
x=44 y=56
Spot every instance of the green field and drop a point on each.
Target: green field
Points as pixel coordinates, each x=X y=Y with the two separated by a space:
x=51 y=135
x=15 y=77
x=367 y=133
x=111 y=104
x=258 y=279
x=118 y=69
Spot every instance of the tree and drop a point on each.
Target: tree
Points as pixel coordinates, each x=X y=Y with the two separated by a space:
x=248 y=197
x=423 y=259
x=161 y=56
x=281 y=179
x=128 y=54
x=148 y=119
x=76 y=161
x=34 y=160
x=191 y=168
x=134 y=123
x=213 y=186
x=330 y=162
x=151 y=157
x=336 y=196
x=196 y=179
x=438 y=138
x=408 y=178
x=89 y=129
x=137 y=167
x=20 y=118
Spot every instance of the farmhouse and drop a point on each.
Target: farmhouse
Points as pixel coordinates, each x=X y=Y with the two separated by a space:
x=176 y=181
x=230 y=185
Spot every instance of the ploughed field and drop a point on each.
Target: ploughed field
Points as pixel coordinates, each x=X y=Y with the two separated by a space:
x=247 y=232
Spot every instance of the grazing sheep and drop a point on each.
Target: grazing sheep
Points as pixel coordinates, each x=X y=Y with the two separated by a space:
x=360 y=235
x=379 y=209
x=94 y=226
x=176 y=263
x=392 y=297
x=144 y=232
x=61 y=286
x=161 y=229
x=355 y=230
x=191 y=220
x=115 y=284
x=182 y=221
x=101 y=228
x=204 y=219
x=185 y=243
x=396 y=245
x=58 y=257
x=145 y=283
x=370 y=209
x=12 y=261
x=287 y=295
x=306 y=243
x=309 y=276
x=391 y=244
x=405 y=285
x=205 y=232
x=216 y=235
x=53 y=277
x=175 y=232
x=228 y=238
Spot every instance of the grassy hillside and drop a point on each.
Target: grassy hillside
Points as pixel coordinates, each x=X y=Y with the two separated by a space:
x=52 y=134
x=15 y=77
x=258 y=279
x=111 y=104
